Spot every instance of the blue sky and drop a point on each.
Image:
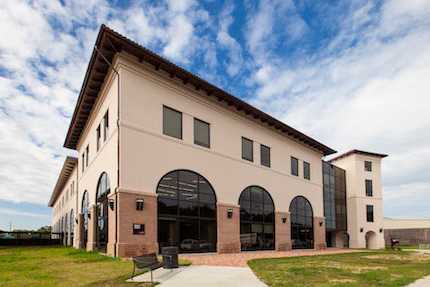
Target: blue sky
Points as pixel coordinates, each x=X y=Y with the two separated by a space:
x=353 y=74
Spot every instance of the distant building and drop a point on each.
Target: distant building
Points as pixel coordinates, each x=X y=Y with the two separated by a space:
x=165 y=158
x=408 y=231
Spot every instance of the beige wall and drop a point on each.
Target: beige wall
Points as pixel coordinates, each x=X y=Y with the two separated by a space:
x=357 y=199
x=147 y=154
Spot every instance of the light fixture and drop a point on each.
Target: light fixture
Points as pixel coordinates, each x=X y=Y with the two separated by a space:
x=284 y=220
x=361 y=229
x=140 y=203
x=111 y=203
x=229 y=212
x=380 y=230
x=321 y=223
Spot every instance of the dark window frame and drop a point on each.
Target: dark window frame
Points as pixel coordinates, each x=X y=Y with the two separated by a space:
x=181 y=121
x=367 y=165
x=83 y=162
x=370 y=215
x=269 y=163
x=98 y=136
x=369 y=187
x=306 y=172
x=296 y=160
x=208 y=145
x=105 y=125
x=251 y=159
x=87 y=152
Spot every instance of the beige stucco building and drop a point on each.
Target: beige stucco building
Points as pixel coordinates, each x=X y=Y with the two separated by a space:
x=166 y=158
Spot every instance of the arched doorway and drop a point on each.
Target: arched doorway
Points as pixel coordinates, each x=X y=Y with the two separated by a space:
x=186 y=212
x=85 y=212
x=371 y=240
x=302 y=226
x=257 y=219
x=72 y=226
x=103 y=189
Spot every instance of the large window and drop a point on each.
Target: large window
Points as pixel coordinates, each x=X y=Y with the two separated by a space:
x=294 y=166
x=265 y=155
x=103 y=189
x=247 y=149
x=302 y=227
x=369 y=213
x=257 y=219
x=369 y=187
x=172 y=122
x=306 y=170
x=85 y=208
x=186 y=212
x=201 y=133
x=368 y=166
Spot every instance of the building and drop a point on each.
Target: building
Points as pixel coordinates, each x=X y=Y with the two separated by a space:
x=407 y=231
x=166 y=158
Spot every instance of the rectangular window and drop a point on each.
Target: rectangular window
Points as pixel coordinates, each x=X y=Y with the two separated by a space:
x=368 y=166
x=247 y=149
x=369 y=213
x=98 y=132
x=265 y=155
x=87 y=151
x=201 y=133
x=83 y=162
x=306 y=170
x=369 y=187
x=172 y=123
x=105 y=125
x=294 y=166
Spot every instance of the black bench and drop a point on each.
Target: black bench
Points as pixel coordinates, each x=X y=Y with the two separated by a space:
x=148 y=261
x=395 y=244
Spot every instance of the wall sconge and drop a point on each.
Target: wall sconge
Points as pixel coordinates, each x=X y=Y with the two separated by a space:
x=321 y=223
x=380 y=230
x=361 y=229
x=76 y=220
x=140 y=203
x=89 y=215
x=111 y=204
x=284 y=220
x=229 y=212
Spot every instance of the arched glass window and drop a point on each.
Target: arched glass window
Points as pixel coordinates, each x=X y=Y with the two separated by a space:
x=186 y=212
x=257 y=219
x=85 y=211
x=72 y=226
x=103 y=189
x=302 y=226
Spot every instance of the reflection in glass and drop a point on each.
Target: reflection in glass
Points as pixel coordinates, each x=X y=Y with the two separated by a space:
x=302 y=231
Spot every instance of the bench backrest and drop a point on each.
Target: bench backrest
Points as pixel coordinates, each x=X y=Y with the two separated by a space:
x=146 y=260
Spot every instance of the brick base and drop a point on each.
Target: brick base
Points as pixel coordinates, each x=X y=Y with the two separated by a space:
x=228 y=229
x=282 y=231
x=319 y=233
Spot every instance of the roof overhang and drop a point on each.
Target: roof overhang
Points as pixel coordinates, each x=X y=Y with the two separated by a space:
x=356 y=151
x=109 y=43
x=67 y=169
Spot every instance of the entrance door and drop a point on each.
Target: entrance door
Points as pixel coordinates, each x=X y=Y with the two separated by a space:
x=102 y=224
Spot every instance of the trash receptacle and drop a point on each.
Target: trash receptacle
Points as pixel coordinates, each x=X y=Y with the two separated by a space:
x=170 y=257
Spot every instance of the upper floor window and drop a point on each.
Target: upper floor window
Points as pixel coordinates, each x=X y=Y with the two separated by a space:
x=369 y=213
x=247 y=149
x=105 y=125
x=201 y=133
x=369 y=187
x=368 y=165
x=306 y=170
x=265 y=155
x=294 y=166
x=172 y=122
x=83 y=161
x=98 y=134
x=87 y=152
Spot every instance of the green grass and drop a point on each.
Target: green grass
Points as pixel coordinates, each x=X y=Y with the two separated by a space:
x=380 y=268
x=62 y=266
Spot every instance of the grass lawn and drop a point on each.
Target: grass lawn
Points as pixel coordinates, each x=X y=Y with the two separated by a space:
x=61 y=266
x=379 y=268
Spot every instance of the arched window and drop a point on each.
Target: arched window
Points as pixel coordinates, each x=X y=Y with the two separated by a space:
x=257 y=219
x=85 y=211
x=103 y=189
x=72 y=226
x=186 y=212
x=302 y=226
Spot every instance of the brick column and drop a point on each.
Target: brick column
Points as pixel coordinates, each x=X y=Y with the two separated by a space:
x=282 y=231
x=228 y=229
x=112 y=239
x=79 y=235
x=319 y=233
x=91 y=243
x=129 y=244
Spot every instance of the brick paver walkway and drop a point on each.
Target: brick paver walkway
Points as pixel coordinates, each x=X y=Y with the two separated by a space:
x=240 y=259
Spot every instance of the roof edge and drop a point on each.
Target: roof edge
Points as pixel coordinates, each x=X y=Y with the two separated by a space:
x=356 y=151
x=69 y=162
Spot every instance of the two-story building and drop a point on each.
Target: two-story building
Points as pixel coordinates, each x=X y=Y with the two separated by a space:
x=166 y=158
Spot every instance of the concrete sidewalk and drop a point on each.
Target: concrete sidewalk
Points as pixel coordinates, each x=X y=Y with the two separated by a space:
x=208 y=276
x=423 y=282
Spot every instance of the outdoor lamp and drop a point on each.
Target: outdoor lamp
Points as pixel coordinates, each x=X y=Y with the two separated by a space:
x=284 y=219
x=361 y=229
x=140 y=204
x=229 y=212
x=380 y=230
x=321 y=223
x=111 y=204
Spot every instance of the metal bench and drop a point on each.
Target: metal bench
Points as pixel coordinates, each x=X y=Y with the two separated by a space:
x=148 y=261
x=395 y=244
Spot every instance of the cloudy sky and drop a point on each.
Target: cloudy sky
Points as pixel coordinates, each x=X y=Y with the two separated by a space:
x=352 y=74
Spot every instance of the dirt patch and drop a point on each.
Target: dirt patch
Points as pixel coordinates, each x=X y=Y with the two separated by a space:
x=343 y=281
x=386 y=257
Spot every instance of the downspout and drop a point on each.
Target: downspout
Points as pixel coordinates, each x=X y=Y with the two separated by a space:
x=118 y=149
